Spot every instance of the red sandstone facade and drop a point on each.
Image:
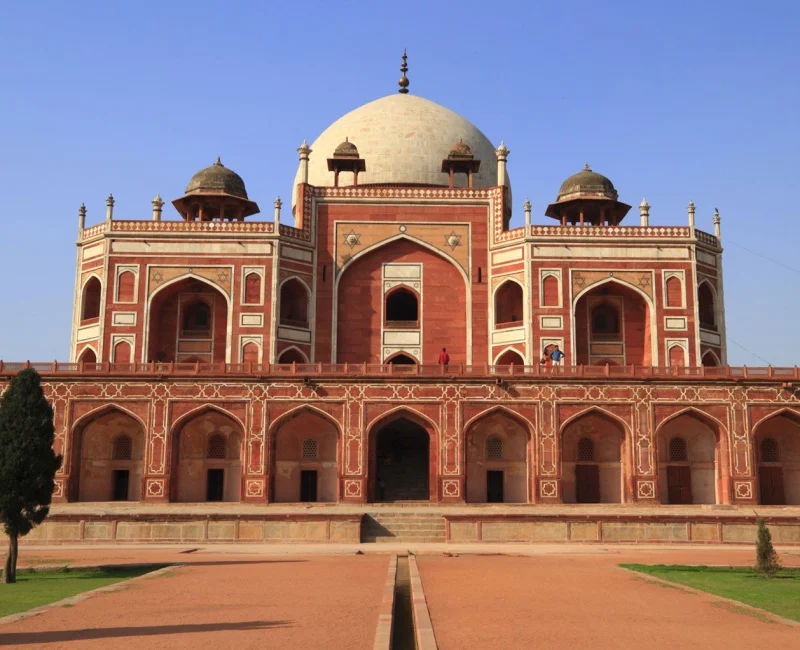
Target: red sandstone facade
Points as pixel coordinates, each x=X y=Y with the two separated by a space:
x=220 y=359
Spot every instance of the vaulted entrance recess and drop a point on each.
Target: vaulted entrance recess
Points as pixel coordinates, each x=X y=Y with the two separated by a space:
x=402 y=462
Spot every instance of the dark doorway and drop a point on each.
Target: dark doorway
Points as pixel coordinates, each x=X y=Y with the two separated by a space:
x=121 y=481
x=402 y=462
x=494 y=486
x=771 y=480
x=308 y=485
x=216 y=482
x=679 y=484
x=587 y=484
x=402 y=360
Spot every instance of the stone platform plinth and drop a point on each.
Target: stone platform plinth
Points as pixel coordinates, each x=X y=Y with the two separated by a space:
x=103 y=523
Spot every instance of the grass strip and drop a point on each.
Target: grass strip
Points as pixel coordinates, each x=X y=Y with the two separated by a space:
x=779 y=595
x=37 y=588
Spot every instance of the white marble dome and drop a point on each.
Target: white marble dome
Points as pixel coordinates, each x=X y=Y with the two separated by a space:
x=403 y=139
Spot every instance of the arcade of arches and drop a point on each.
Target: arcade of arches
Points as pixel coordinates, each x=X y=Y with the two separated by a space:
x=595 y=463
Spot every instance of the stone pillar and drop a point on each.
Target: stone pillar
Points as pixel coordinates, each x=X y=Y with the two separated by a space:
x=502 y=156
x=690 y=210
x=278 y=205
x=157 y=205
x=527 y=208
x=109 y=208
x=81 y=219
x=644 y=213
x=717 y=231
x=305 y=151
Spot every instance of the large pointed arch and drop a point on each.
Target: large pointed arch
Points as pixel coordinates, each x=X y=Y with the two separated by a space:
x=292 y=348
x=301 y=410
x=199 y=410
x=786 y=411
x=509 y=348
x=501 y=410
x=648 y=301
x=169 y=283
x=400 y=412
x=76 y=435
x=378 y=245
x=695 y=412
x=597 y=410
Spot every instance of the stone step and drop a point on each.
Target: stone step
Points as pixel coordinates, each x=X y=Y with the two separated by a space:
x=397 y=540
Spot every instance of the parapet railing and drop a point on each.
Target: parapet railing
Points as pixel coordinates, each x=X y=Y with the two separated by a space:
x=300 y=371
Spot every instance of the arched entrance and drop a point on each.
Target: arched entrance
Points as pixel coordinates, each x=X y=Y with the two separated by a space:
x=305 y=459
x=107 y=458
x=401 y=461
x=776 y=444
x=613 y=323
x=497 y=460
x=206 y=459
x=188 y=320
x=688 y=454
x=592 y=449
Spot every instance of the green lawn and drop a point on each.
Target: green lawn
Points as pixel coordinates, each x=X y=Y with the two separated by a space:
x=779 y=595
x=33 y=589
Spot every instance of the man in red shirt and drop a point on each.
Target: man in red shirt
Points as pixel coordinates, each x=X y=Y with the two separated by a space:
x=444 y=358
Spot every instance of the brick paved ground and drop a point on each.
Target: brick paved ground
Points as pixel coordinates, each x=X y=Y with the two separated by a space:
x=585 y=601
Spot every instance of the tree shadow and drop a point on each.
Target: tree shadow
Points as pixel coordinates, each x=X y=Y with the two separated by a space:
x=18 y=638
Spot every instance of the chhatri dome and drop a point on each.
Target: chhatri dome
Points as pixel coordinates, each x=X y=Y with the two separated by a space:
x=402 y=139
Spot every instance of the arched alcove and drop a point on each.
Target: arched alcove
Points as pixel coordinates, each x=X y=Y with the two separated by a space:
x=402 y=308
x=90 y=301
x=508 y=304
x=705 y=306
x=294 y=303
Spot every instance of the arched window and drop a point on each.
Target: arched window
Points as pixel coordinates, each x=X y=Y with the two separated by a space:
x=88 y=356
x=550 y=291
x=508 y=304
x=252 y=289
x=605 y=320
x=769 y=451
x=677 y=450
x=197 y=318
x=91 y=299
x=494 y=448
x=710 y=360
x=292 y=355
x=401 y=360
x=508 y=357
x=126 y=287
x=674 y=292
x=122 y=352
x=310 y=449
x=586 y=450
x=216 y=446
x=122 y=448
x=250 y=352
x=676 y=356
x=294 y=304
x=402 y=306
x=705 y=306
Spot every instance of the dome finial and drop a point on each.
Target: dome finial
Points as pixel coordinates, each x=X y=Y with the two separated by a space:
x=219 y=162
x=404 y=80
x=586 y=167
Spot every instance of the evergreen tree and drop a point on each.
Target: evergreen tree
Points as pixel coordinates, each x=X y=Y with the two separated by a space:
x=767 y=562
x=28 y=463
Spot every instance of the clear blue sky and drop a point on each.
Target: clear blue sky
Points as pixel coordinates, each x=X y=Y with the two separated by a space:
x=671 y=100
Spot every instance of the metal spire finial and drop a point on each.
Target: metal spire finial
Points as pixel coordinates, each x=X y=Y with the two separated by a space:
x=219 y=162
x=404 y=80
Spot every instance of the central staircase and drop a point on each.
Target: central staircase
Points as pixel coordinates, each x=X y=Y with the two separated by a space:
x=393 y=527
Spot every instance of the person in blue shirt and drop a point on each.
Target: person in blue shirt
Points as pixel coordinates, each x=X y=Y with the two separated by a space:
x=556 y=356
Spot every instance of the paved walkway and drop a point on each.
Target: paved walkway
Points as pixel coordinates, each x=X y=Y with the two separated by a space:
x=220 y=601
x=584 y=601
x=544 y=596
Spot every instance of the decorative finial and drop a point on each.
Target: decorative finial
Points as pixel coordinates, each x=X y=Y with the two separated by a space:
x=404 y=80
x=502 y=151
x=716 y=215
x=691 y=206
x=82 y=210
x=586 y=167
x=110 y=200
x=717 y=220
x=277 y=205
x=643 y=205
x=527 y=205
x=304 y=149
x=157 y=205
x=219 y=162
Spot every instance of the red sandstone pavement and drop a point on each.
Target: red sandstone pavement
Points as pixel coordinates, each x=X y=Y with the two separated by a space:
x=217 y=601
x=586 y=601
